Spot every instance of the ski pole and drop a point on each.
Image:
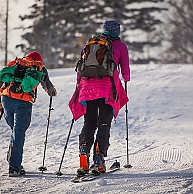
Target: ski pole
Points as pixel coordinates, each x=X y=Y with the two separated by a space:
x=43 y=168
x=127 y=131
x=65 y=147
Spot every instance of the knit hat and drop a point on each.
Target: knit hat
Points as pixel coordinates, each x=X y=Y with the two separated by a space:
x=35 y=55
x=112 y=26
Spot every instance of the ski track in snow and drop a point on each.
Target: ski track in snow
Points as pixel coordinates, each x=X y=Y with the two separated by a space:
x=160 y=138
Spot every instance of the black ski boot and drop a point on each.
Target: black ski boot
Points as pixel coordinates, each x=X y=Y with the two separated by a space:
x=99 y=162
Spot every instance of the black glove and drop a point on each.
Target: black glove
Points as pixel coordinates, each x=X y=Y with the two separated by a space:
x=52 y=91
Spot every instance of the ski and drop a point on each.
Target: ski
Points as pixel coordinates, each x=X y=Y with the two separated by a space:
x=94 y=174
x=91 y=176
x=79 y=178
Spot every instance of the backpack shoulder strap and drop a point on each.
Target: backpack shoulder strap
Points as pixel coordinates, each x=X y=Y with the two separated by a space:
x=27 y=61
x=11 y=63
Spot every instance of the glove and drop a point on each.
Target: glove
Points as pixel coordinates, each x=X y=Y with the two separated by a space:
x=52 y=91
x=126 y=80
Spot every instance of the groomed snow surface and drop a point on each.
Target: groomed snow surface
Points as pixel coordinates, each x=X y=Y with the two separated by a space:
x=160 y=122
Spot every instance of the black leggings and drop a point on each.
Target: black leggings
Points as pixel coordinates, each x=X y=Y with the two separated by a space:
x=98 y=115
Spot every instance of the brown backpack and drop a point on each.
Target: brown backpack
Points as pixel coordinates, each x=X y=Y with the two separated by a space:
x=96 y=58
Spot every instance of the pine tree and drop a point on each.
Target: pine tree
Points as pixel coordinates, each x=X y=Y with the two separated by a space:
x=61 y=27
x=4 y=9
x=143 y=23
x=179 y=33
x=2 y=31
x=140 y=22
x=58 y=30
x=42 y=36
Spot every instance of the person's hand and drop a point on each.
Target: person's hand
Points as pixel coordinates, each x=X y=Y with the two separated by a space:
x=126 y=80
x=52 y=91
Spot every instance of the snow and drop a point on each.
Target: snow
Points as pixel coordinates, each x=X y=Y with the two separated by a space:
x=160 y=138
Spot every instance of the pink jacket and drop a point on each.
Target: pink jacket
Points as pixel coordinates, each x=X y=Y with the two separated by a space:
x=94 y=88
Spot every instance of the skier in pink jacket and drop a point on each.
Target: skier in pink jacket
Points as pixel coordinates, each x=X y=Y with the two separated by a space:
x=93 y=98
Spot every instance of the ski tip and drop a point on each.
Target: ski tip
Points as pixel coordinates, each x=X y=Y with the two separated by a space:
x=128 y=166
x=116 y=165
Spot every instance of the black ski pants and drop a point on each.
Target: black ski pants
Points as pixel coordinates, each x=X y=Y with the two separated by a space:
x=98 y=116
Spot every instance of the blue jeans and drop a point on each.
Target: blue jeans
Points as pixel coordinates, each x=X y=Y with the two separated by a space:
x=18 y=116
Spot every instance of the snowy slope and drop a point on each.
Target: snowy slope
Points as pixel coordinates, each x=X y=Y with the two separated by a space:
x=160 y=138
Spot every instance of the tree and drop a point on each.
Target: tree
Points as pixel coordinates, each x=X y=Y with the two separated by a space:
x=6 y=31
x=179 y=33
x=61 y=27
x=144 y=19
x=2 y=33
x=57 y=26
x=4 y=21
x=40 y=34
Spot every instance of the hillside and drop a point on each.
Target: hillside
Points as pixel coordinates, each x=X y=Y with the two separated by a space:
x=160 y=138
